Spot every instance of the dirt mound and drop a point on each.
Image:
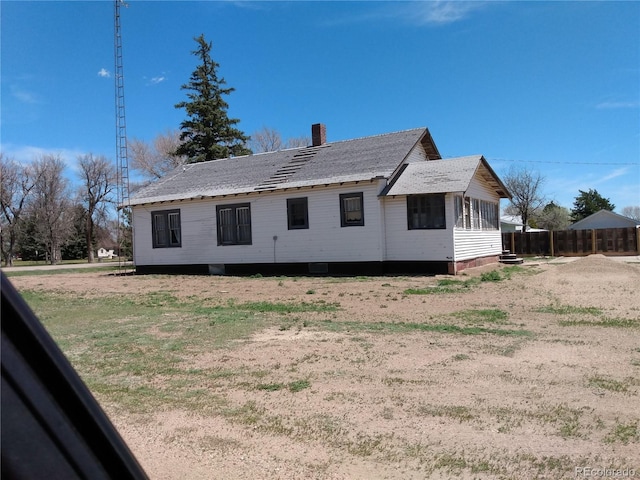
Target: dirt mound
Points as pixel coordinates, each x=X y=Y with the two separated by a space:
x=596 y=265
x=593 y=281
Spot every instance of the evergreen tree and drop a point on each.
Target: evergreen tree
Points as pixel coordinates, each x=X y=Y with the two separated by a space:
x=588 y=203
x=30 y=246
x=75 y=248
x=208 y=133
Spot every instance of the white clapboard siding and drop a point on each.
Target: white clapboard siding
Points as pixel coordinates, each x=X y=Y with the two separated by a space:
x=478 y=243
x=403 y=244
x=198 y=234
x=324 y=241
x=417 y=154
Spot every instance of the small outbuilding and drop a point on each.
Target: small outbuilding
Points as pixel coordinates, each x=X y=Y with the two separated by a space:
x=604 y=219
x=376 y=205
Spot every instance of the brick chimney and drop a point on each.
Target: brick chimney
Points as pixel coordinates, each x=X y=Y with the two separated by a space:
x=318 y=134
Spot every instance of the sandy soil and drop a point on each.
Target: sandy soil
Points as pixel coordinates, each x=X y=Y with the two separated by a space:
x=408 y=404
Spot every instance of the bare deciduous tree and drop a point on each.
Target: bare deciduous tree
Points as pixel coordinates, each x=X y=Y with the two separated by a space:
x=526 y=190
x=296 y=142
x=157 y=159
x=268 y=139
x=16 y=182
x=98 y=184
x=631 y=212
x=51 y=204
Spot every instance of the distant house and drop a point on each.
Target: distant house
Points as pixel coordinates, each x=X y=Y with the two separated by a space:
x=511 y=223
x=374 y=205
x=104 y=253
x=604 y=219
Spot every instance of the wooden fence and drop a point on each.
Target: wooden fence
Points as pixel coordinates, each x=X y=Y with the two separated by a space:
x=607 y=241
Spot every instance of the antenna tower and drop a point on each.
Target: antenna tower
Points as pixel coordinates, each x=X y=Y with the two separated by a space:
x=122 y=159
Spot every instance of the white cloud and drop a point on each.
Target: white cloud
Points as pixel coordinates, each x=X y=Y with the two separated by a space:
x=618 y=172
x=104 y=73
x=156 y=80
x=23 y=95
x=420 y=13
x=441 y=12
x=28 y=153
x=617 y=105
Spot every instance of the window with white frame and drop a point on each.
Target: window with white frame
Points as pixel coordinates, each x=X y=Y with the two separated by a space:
x=166 y=228
x=467 y=213
x=459 y=211
x=472 y=213
x=476 y=214
x=490 y=215
x=234 y=224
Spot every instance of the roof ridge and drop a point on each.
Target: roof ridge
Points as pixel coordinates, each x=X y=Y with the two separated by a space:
x=378 y=135
x=308 y=146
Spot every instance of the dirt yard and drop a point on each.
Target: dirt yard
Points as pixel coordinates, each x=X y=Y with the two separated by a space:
x=531 y=376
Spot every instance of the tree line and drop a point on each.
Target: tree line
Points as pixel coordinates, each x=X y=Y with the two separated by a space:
x=537 y=211
x=43 y=219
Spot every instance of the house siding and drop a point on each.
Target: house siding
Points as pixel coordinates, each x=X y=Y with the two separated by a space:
x=477 y=243
x=324 y=241
x=417 y=154
x=403 y=244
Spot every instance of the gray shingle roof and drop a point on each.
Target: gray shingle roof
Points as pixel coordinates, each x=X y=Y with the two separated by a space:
x=442 y=176
x=350 y=160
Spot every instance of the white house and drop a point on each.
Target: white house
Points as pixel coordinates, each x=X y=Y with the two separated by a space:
x=104 y=253
x=380 y=204
x=604 y=219
x=511 y=223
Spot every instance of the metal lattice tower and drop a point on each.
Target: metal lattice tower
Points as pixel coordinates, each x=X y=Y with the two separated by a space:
x=122 y=159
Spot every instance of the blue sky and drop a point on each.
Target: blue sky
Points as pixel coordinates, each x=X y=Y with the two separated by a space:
x=551 y=86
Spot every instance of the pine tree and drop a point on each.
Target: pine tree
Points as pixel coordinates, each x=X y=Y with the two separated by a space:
x=208 y=133
x=588 y=203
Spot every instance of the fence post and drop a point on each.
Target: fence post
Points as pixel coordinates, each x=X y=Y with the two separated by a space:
x=638 y=240
x=551 y=242
x=594 y=243
x=513 y=242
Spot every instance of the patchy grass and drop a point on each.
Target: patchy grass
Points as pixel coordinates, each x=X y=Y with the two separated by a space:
x=319 y=306
x=610 y=384
x=603 y=322
x=60 y=271
x=569 y=310
x=449 y=285
x=624 y=433
x=401 y=327
x=482 y=316
x=598 y=320
x=121 y=345
x=293 y=387
x=298 y=385
x=445 y=285
x=427 y=388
